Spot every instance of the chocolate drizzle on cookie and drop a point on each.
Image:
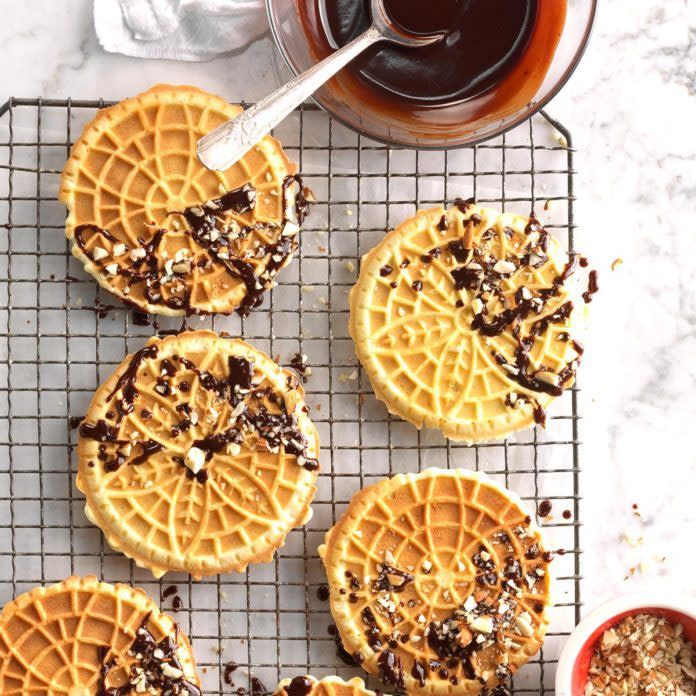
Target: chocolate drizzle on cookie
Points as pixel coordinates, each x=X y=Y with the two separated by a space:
x=391 y=579
x=251 y=414
x=483 y=273
x=391 y=670
x=259 y=417
x=208 y=224
x=126 y=382
x=157 y=667
x=100 y=431
x=298 y=362
x=477 y=638
x=148 y=448
x=299 y=686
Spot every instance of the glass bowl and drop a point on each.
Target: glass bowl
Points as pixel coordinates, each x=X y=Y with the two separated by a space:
x=437 y=127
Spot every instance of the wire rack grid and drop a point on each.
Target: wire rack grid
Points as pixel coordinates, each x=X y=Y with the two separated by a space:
x=61 y=336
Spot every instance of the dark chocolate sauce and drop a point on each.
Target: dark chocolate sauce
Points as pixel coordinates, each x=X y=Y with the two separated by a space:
x=299 y=364
x=592 y=286
x=299 y=686
x=202 y=219
x=148 y=448
x=463 y=204
x=100 y=308
x=100 y=431
x=277 y=429
x=75 y=421
x=533 y=552
x=257 y=687
x=229 y=669
x=167 y=367
x=525 y=305
x=276 y=252
x=169 y=591
x=126 y=382
x=545 y=507
x=145 y=270
x=346 y=657
x=140 y=318
x=240 y=372
x=391 y=579
x=391 y=670
x=212 y=444
x=465 y=278
x=323 y=593
x=457 y=248
x=207 y=380
x=419 y=672
x=146 y=647
x=468 y=62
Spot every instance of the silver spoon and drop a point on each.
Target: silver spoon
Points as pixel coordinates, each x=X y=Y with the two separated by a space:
x=224 y=146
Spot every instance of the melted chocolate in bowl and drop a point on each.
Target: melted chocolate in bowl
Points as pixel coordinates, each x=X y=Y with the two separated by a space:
x=490 y=64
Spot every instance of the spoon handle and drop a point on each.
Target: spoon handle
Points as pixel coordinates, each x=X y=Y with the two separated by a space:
x=224 y=146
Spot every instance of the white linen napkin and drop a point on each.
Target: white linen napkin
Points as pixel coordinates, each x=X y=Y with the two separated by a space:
x=193 y=30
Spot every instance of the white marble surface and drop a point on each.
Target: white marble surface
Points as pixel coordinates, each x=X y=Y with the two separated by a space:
x=632 y=108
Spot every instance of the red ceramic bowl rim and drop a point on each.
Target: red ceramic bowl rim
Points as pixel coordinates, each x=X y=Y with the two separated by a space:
x=571 y=673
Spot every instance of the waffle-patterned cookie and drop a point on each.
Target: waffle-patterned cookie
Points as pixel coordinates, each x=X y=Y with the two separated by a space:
x=328 y=686
x=83 y=637
x=159 y=230
x=438 y=582
x=462 y=321
x=197 y=455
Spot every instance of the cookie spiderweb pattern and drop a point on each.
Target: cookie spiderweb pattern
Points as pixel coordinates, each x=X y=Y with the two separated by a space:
x=171 y=471
x=422 y=565
x=57 y=640
x=414 y=314
x=137 y=196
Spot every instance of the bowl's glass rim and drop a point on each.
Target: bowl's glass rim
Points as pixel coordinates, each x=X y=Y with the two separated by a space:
x=538 y=106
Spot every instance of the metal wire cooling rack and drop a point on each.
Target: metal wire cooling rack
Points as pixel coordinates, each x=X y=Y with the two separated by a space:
x=59 y=342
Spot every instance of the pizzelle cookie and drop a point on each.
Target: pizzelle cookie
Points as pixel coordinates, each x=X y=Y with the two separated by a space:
x=328 y=686
x=438 y=582
x=83 y=637
x=462 y=321
x=197 y=455
x=162 y=232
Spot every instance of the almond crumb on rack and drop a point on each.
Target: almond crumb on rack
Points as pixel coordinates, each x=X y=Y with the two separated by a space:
x=643 y=654
x=560 y=138
x=616 y=263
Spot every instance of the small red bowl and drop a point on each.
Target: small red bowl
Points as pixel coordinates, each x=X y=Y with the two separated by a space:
x=574 y=662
